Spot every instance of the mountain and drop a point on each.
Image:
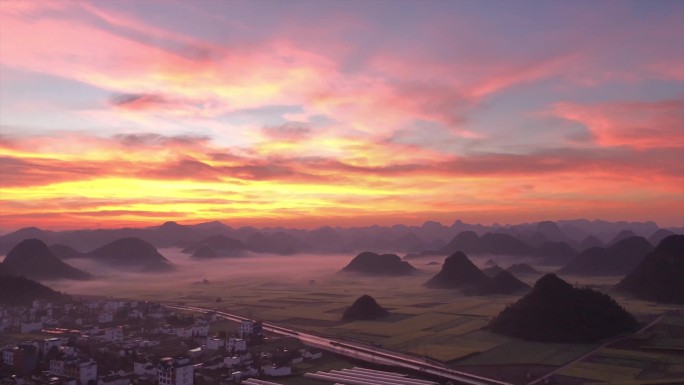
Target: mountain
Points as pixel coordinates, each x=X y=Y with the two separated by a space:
x=490 y=263
x=589 y=242
x=130 y=253
x=659 y=235
x=379 y=264
x=4 y=270
x=33 y=259
x=17 y=290
x=205 y=251
x=555 y=253
x=504 y=244
x=276 y=243
x=551 y=231
x=521 y=269
x=222 y=245
x=8 y=241
x=171 y=234
x=660 y=276
x=493 y=271
x=465 y=241
x=408 y=242
x=622 y=235
x=617 y=259
x=490 y=243
x=457 y=272
x=554 y=311
x=364 y=308
x=65 y=252
x=502 y=283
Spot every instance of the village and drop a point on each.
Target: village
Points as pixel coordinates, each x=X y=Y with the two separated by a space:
x=121 y=342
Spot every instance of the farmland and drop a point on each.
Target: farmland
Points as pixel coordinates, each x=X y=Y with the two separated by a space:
x=443 y=325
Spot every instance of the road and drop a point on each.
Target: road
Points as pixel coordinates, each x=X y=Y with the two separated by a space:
x=363 y=352
x=540 y=380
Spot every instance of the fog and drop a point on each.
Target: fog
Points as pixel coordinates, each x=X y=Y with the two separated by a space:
x=250 y=269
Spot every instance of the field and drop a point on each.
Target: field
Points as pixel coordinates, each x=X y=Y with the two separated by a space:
x=307 y=293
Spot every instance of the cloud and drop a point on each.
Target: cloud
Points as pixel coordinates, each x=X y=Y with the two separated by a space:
x=291 y=131
x=635 y=124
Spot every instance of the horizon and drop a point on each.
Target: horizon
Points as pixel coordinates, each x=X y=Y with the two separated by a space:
x=305 y=114
x=336 y=226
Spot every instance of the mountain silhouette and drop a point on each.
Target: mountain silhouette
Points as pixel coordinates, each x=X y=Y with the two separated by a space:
x=659 y=235
x=222 y=245
x=591 y=241
x=457 y=272
x=131 y=253
x=551 y=231
x=617 y=259
x=493 y=271
x=32 y=258
x=502 y=283
x=364 y=308
x=65 y=252
x=504 y=244
x=622 y=235
x=276 y=243
x=554 y=311
x=379 y=264
x=521 y=269
x=205 y=251
x=555 y=253
x=4 y=270
x=17 y=290
x=660 y=276
x=8 y=241
x=490 y=243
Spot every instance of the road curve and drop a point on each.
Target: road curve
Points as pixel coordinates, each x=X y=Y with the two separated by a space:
x=362 y=352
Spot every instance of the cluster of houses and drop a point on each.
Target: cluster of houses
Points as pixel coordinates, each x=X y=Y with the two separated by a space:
x=109 y=342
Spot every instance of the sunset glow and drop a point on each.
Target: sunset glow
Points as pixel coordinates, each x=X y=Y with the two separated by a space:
x=307 y=113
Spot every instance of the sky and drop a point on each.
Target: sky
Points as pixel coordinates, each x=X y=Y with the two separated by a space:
x=310 y=113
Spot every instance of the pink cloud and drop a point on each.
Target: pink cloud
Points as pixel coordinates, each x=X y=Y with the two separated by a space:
x=634 y=124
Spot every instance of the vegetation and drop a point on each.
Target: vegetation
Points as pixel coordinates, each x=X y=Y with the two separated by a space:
x=660 y=276
x=364 y=308
x=554 y=311
x=17 y=290
x=379 y=264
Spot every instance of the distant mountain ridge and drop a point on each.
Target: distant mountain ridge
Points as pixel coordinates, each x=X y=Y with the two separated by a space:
x=617 y=259
x=33 y=259
x=397 y=238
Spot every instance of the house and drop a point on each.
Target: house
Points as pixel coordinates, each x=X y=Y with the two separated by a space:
x=311 y=354
x=144 y=368
x=50 y=343
x=82 y=369
x=112 y=334
x=114 y=379
x=236 y=345
x=276 y=371
x=196 y=352
x=23 y=357
x=104 y=318
x=215 y=343
x=229 y=362
x=249 y=327
x=175 y=371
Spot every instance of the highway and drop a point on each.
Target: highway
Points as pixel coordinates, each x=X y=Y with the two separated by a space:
x=362 y=352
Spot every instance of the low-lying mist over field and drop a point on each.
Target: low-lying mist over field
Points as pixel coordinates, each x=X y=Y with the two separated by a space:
x=252 y=268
